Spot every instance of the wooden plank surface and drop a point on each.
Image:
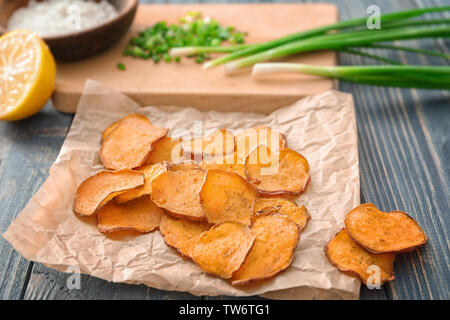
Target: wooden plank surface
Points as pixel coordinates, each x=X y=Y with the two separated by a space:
x=404 y=152
x=27 y=149
x=185 y=83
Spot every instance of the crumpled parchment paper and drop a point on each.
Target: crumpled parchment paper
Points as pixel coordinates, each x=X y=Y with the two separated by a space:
x=321 y=127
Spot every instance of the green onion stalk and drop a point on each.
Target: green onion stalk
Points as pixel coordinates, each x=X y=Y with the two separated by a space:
x=336 y=41
x=370 y=56
x=389 y=19
x=410 y=23
x=415 y=50
x=185 y=51
x=422 y=77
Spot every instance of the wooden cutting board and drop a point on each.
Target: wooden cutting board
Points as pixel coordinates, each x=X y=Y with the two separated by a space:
x=186 y=83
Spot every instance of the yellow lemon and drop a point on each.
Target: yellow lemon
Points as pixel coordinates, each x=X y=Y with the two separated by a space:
x=27 y=75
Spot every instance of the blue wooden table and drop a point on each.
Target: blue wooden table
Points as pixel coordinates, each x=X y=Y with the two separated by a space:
x=404 y=150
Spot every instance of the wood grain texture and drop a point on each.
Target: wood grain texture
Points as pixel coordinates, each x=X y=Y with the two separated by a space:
x=403 y=141
x=186 y=84
x=404 y=152
x=27 y=149
x=51 y=284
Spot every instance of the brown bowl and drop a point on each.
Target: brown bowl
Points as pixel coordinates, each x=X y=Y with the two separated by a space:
x=84 y=43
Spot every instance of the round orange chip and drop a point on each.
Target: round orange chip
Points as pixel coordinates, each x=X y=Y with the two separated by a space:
x=249 y=139
x=226 y=196
x=264 y=206
x=150 y=173
x=166 y=149
x=272 y=174
x=139 y=215
x=381 y=232
x=227 y=163
x=352 y=259
x=98 y=189
x=220 y=142
x=222 y=249
x=127 y=143
x=185 y=165
x=110 y=129
x=181 y=234
x=277 y=237
x=177 y=191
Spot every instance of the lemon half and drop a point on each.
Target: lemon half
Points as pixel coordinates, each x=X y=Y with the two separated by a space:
x=27 y=75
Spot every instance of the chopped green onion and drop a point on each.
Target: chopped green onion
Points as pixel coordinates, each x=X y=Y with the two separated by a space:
x=167 y=57
x=121 y=66
x=193 y=30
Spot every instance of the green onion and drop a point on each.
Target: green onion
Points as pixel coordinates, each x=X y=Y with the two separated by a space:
x=435 y=77
x=186 y=51
x=167 y=57
x=192 y=30
x=121 y=66
x=336 y=41
x=415 y=50
x=409 y=23
x=371 y=56
x=360 y=22
x=230 y=49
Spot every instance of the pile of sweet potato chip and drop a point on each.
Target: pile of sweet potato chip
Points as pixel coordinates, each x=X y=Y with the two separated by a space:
x=366 y=247
x=231 y=215
x=228 y=203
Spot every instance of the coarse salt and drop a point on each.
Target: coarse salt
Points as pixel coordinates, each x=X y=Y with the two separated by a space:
x=58 y=17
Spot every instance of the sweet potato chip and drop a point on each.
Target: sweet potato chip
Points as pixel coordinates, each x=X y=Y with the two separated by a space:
x=229 y=162
x=138 y=215
x=127 y=143
x=185 y=165
x=220 y=142
x=110 y=129
x=226 y=196
x=235 y=168
x=150 y=173
x=264 y=206
x=112 y=196
x=253 y=137
x=352 y=259
x=381 y=232
x=222 y=164
x=222 y=249
x=277 y=237
x=272 y=174
x=177 y=191
x=166 y=149
x=97 y=190
x=181 y=234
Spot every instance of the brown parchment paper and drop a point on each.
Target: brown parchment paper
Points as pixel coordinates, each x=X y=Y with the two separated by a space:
x=321 y=127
